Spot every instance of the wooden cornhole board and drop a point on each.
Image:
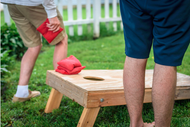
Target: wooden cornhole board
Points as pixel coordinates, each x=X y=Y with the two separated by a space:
x=95 y=94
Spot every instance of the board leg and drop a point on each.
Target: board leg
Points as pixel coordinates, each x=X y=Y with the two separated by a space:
x=53 y=101
x=88 y=117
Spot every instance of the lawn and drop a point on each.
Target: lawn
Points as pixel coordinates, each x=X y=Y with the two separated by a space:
x=102 y=53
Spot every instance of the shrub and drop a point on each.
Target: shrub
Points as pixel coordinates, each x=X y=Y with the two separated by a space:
x=11 y=48
x=6 y=60
x=11 y=41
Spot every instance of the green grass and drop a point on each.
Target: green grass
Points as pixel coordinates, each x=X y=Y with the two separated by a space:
x=103 y=53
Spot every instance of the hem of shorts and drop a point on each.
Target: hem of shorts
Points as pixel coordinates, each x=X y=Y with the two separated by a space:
x=59 y=39
x=137 y=57
x=165 y=64
x=32 y=45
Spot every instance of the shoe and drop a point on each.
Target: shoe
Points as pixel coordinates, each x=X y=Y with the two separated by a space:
x=31 y=95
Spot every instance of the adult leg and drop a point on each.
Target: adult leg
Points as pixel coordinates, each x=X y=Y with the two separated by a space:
x=55 y=96
x=163 y=93
x=60 y=51
x=27 y=64
x=134 y=86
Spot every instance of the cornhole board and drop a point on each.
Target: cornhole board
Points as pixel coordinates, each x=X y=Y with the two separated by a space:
x=95 y=94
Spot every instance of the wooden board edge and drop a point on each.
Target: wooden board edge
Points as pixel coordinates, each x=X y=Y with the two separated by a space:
x=68 y=89
x=116 y=97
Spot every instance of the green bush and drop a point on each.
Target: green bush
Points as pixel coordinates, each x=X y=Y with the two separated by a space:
x=6 y=60
x=11 y=41
x=11 y=47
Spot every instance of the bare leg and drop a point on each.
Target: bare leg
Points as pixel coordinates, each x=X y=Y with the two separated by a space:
x=134 y=87
x=149 y=124
x=27 y=64
x=163 y=92
x=60 y=52
x=55 y=96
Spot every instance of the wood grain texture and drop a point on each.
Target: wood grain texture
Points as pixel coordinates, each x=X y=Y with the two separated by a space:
x=89 y=93
x=115 y=98
x=113 y=79
x=53 y=101
x=88 y=117
x=65 y=87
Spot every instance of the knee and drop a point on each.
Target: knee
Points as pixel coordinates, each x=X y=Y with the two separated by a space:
x=35 y=49
x=64 y=41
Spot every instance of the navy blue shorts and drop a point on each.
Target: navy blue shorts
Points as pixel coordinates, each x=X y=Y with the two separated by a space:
x=163 y=23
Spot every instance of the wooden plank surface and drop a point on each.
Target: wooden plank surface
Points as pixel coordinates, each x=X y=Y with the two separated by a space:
x=89 y=93
x=113 y=79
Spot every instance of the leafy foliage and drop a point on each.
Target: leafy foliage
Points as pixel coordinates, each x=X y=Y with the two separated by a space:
x=11 y=48
x=5 y=61
x=11 y=41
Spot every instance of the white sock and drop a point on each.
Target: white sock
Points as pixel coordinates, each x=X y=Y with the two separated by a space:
x=22 y=91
